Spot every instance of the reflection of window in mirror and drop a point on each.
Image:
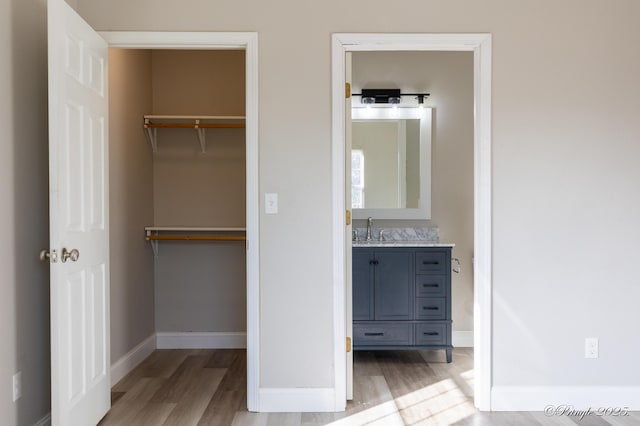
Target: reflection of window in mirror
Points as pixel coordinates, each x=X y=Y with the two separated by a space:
x=395 y=145
x=357 y=179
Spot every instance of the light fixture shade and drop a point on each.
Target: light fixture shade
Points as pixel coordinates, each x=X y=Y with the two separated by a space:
x=368 y=100
x=382 y=96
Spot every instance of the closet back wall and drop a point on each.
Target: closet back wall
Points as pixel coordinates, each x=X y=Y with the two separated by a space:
x=199 y=286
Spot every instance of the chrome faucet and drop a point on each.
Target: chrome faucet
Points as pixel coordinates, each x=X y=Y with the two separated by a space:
x=369 y=226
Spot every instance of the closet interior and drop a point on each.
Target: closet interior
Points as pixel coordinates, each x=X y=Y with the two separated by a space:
x=177 y=198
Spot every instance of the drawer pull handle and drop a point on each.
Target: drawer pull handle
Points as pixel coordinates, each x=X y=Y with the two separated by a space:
x=430 y=308
x=430 y=285
x=374 y=334
x=430 y=262
x=431 y=333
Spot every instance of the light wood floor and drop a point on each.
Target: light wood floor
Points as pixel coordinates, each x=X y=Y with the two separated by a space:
x=208 y=387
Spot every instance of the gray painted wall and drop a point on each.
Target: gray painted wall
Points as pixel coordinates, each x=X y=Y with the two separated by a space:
x=24 y=222
x=448 y=76
x=564 y=169
x=131 y=201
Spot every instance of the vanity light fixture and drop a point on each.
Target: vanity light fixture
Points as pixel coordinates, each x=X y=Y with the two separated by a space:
x=387 y=96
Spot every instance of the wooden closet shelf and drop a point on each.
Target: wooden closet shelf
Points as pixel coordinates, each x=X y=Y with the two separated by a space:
x=197 y=237
x=197 y=122
x=192 y=234
x=194 y=126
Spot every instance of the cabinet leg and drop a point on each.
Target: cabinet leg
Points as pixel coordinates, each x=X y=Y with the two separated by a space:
x=449 y=355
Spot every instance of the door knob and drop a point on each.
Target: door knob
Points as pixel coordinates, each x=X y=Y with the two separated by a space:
x=74 y=254
x=45 y=256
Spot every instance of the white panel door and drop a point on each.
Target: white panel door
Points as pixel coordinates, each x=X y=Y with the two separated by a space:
x=349 y=228
x=79 y=222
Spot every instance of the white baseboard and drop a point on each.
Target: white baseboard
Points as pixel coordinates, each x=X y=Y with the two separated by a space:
x=462 y=339
x=45 y=421
x=131 y=359
x=536 y=398
x=296 y=400
x=201 y=340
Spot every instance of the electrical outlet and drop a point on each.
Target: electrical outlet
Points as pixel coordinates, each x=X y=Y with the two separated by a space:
x=17 y=386
x=591 y=347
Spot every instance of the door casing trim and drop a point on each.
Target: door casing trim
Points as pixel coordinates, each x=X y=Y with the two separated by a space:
x=247 y=41
x=480 y=45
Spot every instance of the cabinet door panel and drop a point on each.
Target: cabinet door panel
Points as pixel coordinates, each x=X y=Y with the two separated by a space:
x=393 y=285
x=362 y=285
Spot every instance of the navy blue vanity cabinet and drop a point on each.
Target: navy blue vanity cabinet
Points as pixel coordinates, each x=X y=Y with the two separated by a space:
x=362 y=285
x=402 y=298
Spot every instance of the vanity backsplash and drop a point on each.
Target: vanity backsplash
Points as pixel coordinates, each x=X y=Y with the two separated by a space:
x=400 y=234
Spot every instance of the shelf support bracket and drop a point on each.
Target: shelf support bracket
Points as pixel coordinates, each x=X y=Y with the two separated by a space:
x=152 y=135
x=201 y=137
x=154 y=243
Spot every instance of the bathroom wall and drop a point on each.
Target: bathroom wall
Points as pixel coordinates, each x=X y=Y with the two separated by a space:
x=448 y=77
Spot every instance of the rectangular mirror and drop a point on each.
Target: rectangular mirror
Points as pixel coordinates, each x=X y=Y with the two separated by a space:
x=391 y=163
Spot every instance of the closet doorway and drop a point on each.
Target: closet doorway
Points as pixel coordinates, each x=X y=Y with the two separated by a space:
x=199 y=133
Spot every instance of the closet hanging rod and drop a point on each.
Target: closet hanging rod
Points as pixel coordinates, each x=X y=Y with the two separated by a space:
x=195 y=228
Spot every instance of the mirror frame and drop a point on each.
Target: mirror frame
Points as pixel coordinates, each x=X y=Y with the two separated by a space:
x=423 y=212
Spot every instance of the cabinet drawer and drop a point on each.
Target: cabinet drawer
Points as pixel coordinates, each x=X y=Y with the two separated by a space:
x=431 y=263
x=382 y=334
x=430 y=308
x=430 y=285
x=431 y=334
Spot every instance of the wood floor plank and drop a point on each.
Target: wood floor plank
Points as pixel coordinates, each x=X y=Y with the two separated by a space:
x=405 y=371
x=236 y=377
x=177 y=384
x=132 y=402
x=547 y=420
x=500 y=418
x=633 y=419
x=284 y=419
x=365 y=363
x=244 y=418
x=223 y=407
x=115 y=396
x=161 y=363
x=320 y=419
x=153 y=414
x=369 y=391
x=202 y=385
x=224 y=358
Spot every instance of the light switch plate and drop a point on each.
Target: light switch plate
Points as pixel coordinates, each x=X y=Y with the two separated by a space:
x=271 y=203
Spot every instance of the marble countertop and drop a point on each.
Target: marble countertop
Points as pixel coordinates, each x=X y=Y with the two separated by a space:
x=409 y=243
x=399 y=237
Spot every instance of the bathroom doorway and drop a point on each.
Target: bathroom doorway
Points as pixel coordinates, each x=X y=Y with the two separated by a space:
x=480 y=46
